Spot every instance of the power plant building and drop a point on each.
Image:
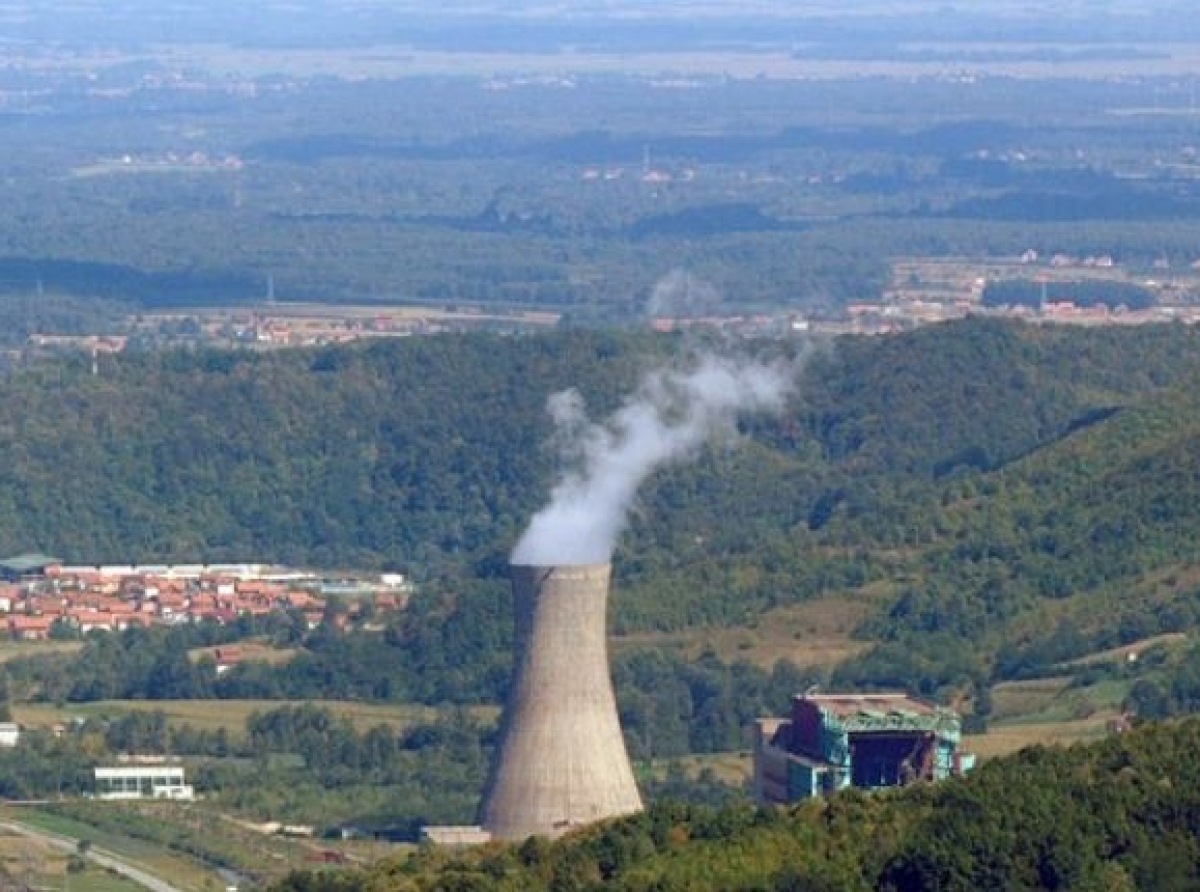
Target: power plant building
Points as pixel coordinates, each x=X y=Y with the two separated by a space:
x=561 y=761
x=869 y=741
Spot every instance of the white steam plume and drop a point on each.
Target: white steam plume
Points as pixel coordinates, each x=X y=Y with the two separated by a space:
x=683 y=295
x=667 y=418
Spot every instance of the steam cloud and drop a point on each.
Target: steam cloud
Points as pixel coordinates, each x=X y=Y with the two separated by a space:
x=681 y=294
x=666 y=419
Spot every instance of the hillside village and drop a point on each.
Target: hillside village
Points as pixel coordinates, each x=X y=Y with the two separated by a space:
x=41 y=598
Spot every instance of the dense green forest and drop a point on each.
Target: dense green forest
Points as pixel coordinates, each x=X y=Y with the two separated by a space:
x=432 y=453
x=1020 y=496
x=1120 y=814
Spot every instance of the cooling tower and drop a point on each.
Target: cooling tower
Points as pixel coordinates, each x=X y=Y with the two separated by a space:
x=561 y=762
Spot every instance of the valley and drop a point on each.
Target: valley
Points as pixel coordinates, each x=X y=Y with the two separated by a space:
x=825 y=548
x=861 y=344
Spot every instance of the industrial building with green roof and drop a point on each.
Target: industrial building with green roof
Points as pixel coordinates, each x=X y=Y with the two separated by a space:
x=870 y=741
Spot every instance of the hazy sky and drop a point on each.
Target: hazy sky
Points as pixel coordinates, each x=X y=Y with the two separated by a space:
x=624 y=26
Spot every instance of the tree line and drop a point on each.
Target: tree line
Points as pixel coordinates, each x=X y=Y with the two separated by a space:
x=1118 y=814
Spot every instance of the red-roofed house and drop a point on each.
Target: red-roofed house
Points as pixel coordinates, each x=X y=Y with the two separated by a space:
x=30 y=628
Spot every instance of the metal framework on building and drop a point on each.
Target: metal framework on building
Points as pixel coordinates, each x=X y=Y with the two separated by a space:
x=870 y=741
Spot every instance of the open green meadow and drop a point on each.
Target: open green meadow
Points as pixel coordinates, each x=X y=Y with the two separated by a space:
x=212 y=715
x=815 y=633
x=182 y=872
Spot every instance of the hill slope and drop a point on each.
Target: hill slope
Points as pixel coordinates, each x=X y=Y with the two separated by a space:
x=1087 y=543
x=1116 y=815
x=979 y=479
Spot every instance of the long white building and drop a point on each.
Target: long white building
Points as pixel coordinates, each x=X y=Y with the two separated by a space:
x=143 y=782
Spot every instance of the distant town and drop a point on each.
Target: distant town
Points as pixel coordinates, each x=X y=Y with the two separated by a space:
x=926 y=291
x=41 y=598
x=922 y=291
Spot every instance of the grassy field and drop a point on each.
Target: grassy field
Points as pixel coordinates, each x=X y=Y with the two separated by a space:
x=182 y=872
x=34 y=864
x=1049 y=711
x=250 y=651
x=97 y=879
x=816 y=633
x=12 y=650
x=731 y=768
x=140 y=833
x=232 y=714
x=1012 y=700
x=1005 y=739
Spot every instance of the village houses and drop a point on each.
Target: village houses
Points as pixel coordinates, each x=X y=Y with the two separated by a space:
x=41 y=595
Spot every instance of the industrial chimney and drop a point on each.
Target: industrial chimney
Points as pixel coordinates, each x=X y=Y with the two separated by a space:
x=561 y=762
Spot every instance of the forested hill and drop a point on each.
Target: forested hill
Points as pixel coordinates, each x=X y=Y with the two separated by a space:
x=1085 y=544
x=1116 y=815
x=426 y=450
x=413 y=453
x=990 y=475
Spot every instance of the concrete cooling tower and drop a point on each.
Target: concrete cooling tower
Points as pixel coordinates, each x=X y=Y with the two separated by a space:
x=562 y=761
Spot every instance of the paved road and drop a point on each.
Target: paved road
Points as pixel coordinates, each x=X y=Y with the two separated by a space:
x=101 y=857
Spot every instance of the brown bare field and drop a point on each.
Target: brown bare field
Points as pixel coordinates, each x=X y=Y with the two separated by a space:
x=32 y=863
x=210 y=715
x=20 y=853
